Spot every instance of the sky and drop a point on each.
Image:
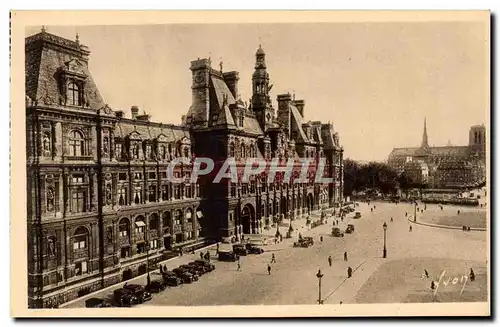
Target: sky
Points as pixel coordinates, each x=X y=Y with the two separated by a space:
x=375 y=82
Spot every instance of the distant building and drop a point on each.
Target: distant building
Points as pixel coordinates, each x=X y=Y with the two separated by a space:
x=444 y=166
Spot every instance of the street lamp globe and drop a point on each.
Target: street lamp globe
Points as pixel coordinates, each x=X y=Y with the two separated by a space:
x=319 y=274
x=385 y=226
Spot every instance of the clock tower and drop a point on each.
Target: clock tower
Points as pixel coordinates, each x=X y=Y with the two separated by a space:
x=199 y=111
x=261 y=101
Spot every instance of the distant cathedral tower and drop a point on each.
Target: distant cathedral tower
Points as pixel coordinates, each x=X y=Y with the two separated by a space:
x=425 y=139
x=261 y=101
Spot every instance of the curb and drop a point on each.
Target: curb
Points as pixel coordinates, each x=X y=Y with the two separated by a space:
x=444 y=226
x=117 y=285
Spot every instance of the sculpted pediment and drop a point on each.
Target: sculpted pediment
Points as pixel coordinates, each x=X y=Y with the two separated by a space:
x=74 y=66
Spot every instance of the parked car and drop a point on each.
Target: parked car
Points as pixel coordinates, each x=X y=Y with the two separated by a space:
x=97 y=303
x=301 y=244
x=228 y=256
x=156 y=286
x=336 y=232
x=185 y=275
x=139 y=291
x=125 y=298
x=204 y=263
x=308 y=239
x=349 y=229
x=171 y=279
x=240 y=249
x=193 y=269
x=357 y=215
x=254 y=249
x=201 y=268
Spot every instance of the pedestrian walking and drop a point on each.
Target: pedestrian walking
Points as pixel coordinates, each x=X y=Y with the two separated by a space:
x=275 y=240
x=239 y=266
x=392 y=220
x=321 y=238
x=349 y=272
x=268 y=269
x=217 y=247
x=273 y=259
x=426 y=273
x=433 y=285
x=410 y=228
x=371 y=209
x=406 y=214
x=458 y=212
x=281 y=238
x=472 y=275
x=330 y=260
x=468 y=229
x=345 y=255
x=201 y=255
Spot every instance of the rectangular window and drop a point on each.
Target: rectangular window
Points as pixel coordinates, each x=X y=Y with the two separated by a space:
x=164 y=174
x=152 y=175
x=81 y=268
x=177 y=191
x=164 y=192
x=122 y=196
x=188 y=191
x=118 y=150
x=152 y=193
x=123 y=232
x=137 y=195
x=78 y=201
x=153 y=244
x=233 y=189
x=138 y=176
x=122 y=176
x=77 y=179
x=141 y=248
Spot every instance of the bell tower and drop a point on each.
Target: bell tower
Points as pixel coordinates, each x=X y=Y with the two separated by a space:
x=261 y=101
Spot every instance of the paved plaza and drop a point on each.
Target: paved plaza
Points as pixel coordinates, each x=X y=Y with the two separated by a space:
x=398 y=278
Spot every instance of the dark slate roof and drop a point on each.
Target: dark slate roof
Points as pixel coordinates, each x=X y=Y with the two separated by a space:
x=42 y=68
x=298 y=121
x=251 y=125
x=150 y=132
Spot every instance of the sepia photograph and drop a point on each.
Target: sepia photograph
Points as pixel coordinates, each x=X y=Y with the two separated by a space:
x=237 y=164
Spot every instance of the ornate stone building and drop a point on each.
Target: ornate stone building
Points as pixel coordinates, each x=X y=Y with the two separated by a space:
x=444 y=166
x=101 y=208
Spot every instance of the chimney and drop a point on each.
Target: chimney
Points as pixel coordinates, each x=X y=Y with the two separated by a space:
x=231 y=79
x=134 y=110
x=119 y=114
x=143 y=117
x=284 y=111
x=284 y=100
x=299 y=104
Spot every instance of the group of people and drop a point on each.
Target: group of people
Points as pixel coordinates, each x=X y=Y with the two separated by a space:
x=466 y=228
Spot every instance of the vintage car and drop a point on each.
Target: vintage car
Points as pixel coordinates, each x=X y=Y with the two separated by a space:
x=349 y=229
x=308 y=239
x=228 y=256
x=156 y=286
x=254 y=249
x=97 y=303
x=197 y=271
x=204 y=263
x=139 y=291
x=240 y=249
x=336 y=232
x=171 y=279
x=357 y=215
x=125 y=298
x=301 y=244
x=185 y=275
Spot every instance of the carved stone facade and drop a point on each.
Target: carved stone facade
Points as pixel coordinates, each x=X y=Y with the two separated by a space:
x=100 y=203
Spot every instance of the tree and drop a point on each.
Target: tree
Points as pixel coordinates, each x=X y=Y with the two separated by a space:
x=374 y=176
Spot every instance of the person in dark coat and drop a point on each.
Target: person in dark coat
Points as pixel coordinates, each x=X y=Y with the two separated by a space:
x=472 y=275
x=349 y=272
x=410 y=228
x=273 y=259
x=468 y=229
x=321 y=238
x=433 y=285
x=201 y=255
x=330 y=260
x=268 y=269
x=345 y=255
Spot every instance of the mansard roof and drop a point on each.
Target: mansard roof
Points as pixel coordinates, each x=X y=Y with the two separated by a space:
x=167 y=133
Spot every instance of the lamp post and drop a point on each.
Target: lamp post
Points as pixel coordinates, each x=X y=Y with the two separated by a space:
x=319 y=275
x=384 y=253
x=147 y=262
x=415 y=213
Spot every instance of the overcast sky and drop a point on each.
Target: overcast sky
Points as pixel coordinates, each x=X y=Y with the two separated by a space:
x=374 y=81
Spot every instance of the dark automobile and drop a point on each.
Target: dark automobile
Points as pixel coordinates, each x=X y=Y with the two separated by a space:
x=336 y=232
x=309 y=240
x=349 y=229
x=204 y=263
x=125 y=298
x=301 y=244
x=97 y=303
x=171 y=279
x=185 y=275
x=156 y=286
x=139 y=291
x=239 y=249
x=193 y=269
x=228 y=256
x=357 y=215
x=254 y=249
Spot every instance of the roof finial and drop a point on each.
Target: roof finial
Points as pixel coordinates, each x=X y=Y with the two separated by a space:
x=221 y=64
x=77 y=38
x=44 y=29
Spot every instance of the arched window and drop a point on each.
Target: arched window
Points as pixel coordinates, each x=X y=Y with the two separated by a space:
x=166 y=219
x=124 y=227
x=122 y=196
x=243 y=152
x=178 y=217
x=140 y=226
x=80 y=238
x=186 y=152
x=73 y=94
x=76 y=144
x=231 y=150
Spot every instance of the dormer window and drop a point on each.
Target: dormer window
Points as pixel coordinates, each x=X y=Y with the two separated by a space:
x=73 y=94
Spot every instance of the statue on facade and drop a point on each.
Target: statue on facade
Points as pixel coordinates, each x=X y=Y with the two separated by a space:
x=50 y=200
x=46 y=145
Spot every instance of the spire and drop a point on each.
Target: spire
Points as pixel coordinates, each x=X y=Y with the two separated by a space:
x=260 y=58
x=425 y=140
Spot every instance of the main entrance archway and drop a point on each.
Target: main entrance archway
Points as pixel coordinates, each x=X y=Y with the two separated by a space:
x=248 y=219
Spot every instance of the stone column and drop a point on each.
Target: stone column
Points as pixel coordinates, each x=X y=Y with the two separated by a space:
x=92 y=143
x=112 y=145
x=66 y=192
